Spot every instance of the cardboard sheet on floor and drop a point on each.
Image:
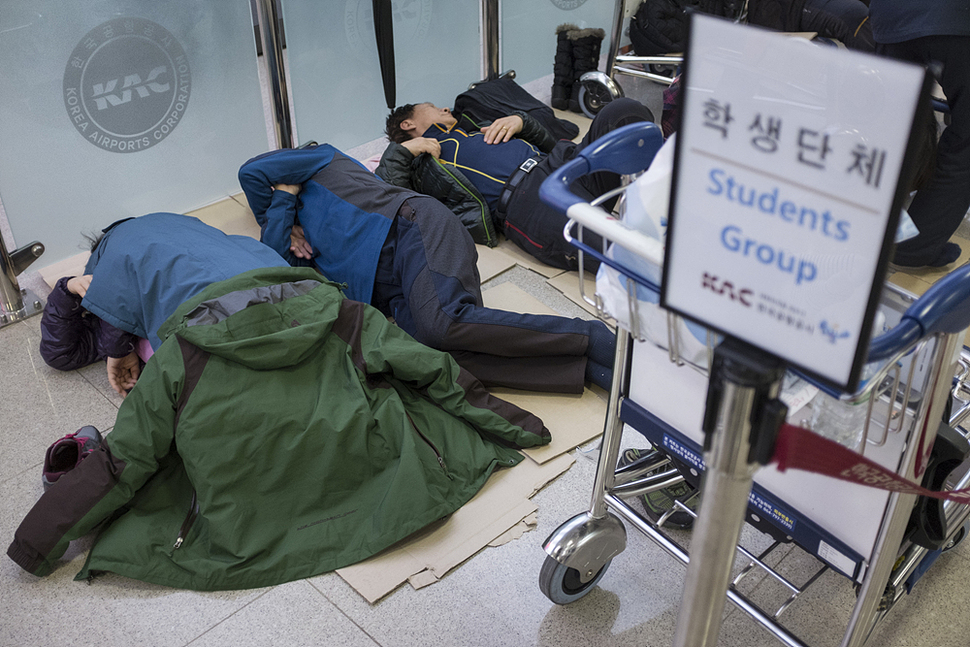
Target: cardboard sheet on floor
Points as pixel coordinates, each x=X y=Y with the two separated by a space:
x=525 y=260
x=231 y=215
x=492 y=262
x=73 y=266
x=573 y=419
x=500 y=507
x=502 y=510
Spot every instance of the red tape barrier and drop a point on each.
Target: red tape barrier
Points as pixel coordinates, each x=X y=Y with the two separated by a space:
x=800 y=449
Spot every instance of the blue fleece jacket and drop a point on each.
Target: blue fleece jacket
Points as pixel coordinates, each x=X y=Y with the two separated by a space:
x=345 y=211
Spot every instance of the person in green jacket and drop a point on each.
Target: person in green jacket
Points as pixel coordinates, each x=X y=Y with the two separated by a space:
x=279 y=431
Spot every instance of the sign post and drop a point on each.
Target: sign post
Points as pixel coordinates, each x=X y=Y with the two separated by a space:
x=789 y=178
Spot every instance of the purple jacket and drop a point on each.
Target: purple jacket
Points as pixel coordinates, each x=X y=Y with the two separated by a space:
x=71 y=337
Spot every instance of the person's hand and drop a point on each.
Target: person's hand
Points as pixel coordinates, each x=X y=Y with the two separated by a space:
x=502 y=130
x=420 y=145
x=79 y=285
x=123 y=372
x=289 y=188
x=298 y=243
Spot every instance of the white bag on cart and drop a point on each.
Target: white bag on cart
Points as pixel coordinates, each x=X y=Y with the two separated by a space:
x=646 y=204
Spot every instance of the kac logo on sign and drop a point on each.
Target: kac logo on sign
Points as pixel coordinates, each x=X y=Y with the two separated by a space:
x=718 y=286
x=127 y=85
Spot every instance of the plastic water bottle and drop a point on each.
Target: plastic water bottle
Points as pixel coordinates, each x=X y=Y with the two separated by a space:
x=839 y=420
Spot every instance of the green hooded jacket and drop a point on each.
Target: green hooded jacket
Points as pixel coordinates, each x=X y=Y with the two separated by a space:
x=279 y=432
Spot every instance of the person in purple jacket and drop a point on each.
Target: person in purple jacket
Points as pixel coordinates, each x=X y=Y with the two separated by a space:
x=140 y=271
x=71 y=337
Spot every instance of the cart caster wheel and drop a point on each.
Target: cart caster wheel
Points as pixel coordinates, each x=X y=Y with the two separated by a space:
x=958 y=538
x=562 y=585
x=593 y=97
x=668 y=70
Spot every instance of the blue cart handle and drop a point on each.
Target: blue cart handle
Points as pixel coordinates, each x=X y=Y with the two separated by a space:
x=626 y=150
x=944 y=308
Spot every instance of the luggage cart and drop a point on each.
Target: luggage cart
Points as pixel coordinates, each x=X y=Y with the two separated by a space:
x=661 y=396
x=599 y=88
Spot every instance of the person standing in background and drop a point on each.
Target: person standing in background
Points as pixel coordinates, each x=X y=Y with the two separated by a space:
x=934 y=33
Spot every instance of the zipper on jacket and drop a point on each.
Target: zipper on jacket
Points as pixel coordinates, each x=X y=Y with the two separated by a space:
x=441 y=460
x=486 y=213
x=189 y=520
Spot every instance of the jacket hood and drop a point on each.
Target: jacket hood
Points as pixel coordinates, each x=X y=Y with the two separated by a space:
x=264 y=319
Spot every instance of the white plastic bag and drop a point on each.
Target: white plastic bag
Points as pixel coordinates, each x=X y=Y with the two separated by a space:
x=647 y=200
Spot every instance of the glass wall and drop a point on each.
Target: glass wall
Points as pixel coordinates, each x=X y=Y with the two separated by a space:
x=529 y=31
x=111 y=109
x=335 y=78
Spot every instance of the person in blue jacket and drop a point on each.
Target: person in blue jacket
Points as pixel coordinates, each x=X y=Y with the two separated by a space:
x=140 y=271
x=934 y=33
x=409 y=256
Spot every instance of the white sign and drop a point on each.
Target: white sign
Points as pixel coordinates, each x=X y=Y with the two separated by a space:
x=785 y=186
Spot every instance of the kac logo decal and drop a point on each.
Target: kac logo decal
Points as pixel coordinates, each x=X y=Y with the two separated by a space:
x=568 y=5
x=717 y=286
x=127 y=85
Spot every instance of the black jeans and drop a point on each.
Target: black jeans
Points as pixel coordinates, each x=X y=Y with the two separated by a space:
x=939 y=207
x=428 y=281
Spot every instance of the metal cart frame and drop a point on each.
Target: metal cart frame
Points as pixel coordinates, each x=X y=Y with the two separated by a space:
x=580 y=550
x=599 y=88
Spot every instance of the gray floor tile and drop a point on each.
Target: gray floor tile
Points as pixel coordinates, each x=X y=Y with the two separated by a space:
x=40 y=404
x=440 y=614
x=111 y=611
x=294 y=614
x=934 y=613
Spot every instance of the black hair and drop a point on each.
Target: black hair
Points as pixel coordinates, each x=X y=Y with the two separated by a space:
x=392 y=127
x=93 y=240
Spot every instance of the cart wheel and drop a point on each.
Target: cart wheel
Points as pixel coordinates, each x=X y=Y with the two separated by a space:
x=959 y=537
x=593 y=96
x=562 y=585
x=668 y=70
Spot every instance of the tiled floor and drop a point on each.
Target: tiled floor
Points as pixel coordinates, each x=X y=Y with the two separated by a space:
x=491 y=600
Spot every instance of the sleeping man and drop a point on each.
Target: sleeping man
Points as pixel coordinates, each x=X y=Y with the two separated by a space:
x=409 y=256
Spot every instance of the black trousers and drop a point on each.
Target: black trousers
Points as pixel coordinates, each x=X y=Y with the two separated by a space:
x=536 y=227
x=939 y=207
x=428 y=281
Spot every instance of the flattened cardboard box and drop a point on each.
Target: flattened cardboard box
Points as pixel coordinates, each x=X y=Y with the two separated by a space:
x=426 y=556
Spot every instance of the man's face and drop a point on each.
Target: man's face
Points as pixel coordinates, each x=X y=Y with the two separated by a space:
x=426 y=115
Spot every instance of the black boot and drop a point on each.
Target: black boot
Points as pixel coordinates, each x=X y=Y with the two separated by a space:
x=562 y=82
x=586 y=58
